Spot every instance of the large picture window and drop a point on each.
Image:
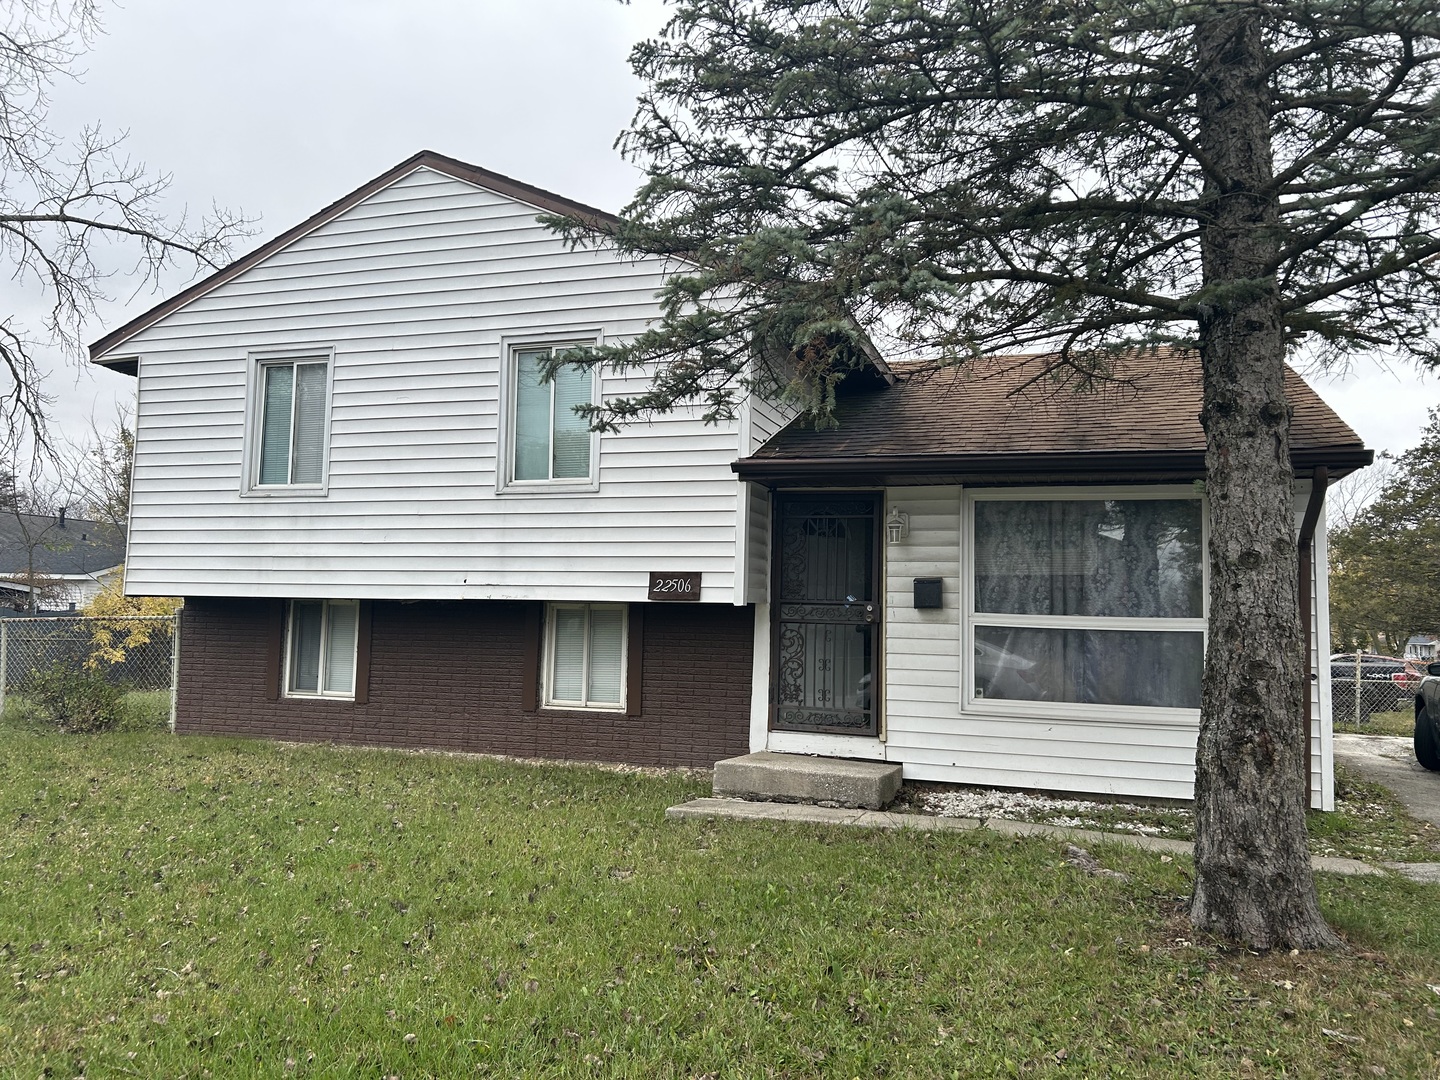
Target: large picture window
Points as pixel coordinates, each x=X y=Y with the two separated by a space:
x=320 y=658
x=1088 y=601
x=549 y=441
x=585 y=656
x=291 y=423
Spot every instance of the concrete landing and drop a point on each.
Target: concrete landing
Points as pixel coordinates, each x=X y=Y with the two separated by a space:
x=797 y=778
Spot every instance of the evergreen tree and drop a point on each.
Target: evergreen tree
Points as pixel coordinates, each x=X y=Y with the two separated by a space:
x=990 y=175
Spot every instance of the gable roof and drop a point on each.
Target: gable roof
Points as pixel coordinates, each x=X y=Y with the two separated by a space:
x=426 y=159
x=77 y=547
x=1001 y=419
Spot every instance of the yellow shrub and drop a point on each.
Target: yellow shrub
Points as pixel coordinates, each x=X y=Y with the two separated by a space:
x=117 y=632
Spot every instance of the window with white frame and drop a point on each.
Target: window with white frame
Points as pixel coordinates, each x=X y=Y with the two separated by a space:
x=320 y=657
x=549 y=442
x=1086 y=601
x=291 y=429
x=585 y=656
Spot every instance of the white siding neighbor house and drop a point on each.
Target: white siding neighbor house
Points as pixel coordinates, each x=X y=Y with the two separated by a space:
x=389 y=530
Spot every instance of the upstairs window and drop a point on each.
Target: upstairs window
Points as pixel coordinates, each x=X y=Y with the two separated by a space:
x=291 y=427
x=321 y=654
x=550 y=443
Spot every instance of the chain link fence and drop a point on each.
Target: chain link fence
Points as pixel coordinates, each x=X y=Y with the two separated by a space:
x=1365 y=684
x=135 y=654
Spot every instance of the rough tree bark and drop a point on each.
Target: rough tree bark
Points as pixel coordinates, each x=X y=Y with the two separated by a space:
x=1253 y=878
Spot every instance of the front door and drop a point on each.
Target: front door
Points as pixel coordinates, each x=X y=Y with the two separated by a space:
x=826 y=614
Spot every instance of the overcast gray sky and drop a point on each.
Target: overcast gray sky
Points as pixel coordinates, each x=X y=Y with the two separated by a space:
x=279 y=107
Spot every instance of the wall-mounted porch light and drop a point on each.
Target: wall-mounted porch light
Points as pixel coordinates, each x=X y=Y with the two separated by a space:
x=897 y=525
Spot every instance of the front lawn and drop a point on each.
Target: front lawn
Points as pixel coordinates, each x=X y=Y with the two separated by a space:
x=192 y=907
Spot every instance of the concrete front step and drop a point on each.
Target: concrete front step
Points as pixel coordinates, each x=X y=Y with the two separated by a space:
x=802 y=779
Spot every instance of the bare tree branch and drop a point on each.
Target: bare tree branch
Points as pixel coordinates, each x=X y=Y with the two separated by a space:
x=68 y=206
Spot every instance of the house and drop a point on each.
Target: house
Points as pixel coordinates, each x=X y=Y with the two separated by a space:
x=387 y=530
x=1422 y=647
x=65 y=561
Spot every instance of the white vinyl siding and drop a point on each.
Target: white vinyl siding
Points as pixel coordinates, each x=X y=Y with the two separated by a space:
x=1027 y=747
x=416 y=293
x=1322 y=761
x=766 y=417
x=1143 y=752
x=321 y=648
x=585 y=656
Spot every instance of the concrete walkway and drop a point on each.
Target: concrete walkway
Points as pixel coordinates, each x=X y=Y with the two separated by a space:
x=803 y=813
x=1390 y=760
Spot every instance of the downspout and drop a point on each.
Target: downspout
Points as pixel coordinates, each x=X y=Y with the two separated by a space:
x=1319 y=481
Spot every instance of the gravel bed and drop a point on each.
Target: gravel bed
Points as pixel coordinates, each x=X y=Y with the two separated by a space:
x=1051 y=810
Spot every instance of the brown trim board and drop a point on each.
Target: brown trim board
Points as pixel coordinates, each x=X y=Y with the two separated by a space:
x=1076 y=467
x=274 y=649
x=530 y=656
x=363 y=623
x=635 y=660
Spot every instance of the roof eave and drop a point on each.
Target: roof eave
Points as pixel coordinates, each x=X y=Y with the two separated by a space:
x=1034 y=467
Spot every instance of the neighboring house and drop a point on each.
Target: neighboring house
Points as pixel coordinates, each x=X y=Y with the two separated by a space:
x=65 y=561
x=387 y=530
x=1422 y=647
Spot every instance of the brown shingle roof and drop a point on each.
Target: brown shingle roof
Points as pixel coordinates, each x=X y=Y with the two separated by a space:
x=1003 y=415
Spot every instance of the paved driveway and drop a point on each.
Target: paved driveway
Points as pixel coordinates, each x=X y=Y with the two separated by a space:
x=1389 y=760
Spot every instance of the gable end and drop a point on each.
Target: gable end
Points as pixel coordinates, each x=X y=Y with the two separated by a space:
x=539 y=198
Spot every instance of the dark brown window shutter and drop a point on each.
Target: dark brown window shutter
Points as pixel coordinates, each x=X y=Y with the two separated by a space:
x=362 y=654
x=635 y=661
x=530 y=659
x=275 y=649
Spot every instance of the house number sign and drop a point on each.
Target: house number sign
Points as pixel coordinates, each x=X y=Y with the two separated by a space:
x=674 y=585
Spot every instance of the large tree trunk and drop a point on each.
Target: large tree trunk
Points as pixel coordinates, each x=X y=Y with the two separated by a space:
x=1253 y=882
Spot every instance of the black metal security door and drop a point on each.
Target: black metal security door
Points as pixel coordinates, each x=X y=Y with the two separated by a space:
x=827 y=614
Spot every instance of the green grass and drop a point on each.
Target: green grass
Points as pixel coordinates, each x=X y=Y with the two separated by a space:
x=1401 y=722
x=145 y=710
x=191 y=907
x=140 y=711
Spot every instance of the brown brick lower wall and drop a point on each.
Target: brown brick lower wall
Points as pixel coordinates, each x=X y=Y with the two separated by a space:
x=450 y=675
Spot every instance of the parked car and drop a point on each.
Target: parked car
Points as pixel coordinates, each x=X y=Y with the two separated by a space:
x=1427 y=719
x=1386 y=684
